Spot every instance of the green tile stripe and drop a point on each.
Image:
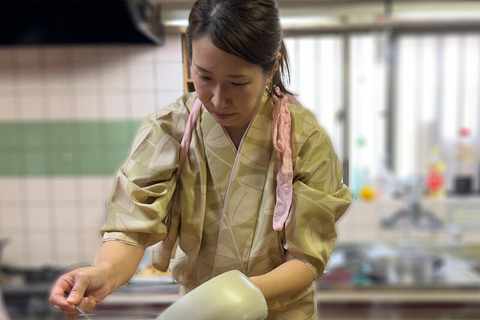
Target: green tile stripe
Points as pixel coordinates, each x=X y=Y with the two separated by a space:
x=64 y=148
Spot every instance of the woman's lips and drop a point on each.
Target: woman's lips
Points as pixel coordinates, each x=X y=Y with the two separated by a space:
x=222 y=116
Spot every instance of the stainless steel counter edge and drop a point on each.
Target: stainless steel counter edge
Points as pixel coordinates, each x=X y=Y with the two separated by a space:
x=359 y=296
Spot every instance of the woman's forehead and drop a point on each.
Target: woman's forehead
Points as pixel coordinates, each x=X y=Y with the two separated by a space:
x=209 y=58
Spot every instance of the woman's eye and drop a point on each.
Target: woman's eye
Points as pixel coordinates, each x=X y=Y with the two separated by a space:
x=204 y=78
x=236 y=84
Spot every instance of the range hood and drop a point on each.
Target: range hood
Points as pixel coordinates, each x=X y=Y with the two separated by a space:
x=58 y=22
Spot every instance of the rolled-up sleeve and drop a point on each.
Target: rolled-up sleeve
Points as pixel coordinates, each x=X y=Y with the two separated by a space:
x=145 y=184
x=319 y=200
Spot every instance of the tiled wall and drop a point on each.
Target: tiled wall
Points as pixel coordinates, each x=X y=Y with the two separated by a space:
x=459 y=217
x=67 y=119
x=64 y=147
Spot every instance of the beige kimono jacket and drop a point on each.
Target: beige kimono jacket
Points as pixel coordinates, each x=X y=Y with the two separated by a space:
x=222 y=204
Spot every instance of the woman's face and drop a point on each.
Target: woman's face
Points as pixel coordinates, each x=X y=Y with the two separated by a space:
x=230 y=88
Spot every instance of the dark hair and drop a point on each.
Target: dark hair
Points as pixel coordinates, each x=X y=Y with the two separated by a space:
x=249 y=30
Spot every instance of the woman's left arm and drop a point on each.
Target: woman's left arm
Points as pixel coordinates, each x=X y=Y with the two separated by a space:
x=287 y=279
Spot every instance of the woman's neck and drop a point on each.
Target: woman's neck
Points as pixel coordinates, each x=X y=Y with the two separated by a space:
x=236 y=134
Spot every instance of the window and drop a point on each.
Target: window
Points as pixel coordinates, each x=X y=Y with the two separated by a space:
x=434 y=93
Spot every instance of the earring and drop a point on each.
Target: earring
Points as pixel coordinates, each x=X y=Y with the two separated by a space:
x=269 y=87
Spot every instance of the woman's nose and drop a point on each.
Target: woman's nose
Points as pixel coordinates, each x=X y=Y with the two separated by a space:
x=219 y=99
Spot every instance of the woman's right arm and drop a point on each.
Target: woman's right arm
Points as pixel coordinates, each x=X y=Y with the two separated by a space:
x=115 y=264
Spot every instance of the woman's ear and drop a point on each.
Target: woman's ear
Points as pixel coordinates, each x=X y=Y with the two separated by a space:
x=277 y=58
x=271 y=75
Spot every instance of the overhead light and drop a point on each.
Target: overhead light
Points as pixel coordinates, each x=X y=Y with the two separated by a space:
x=177 y=23
x=286 y=22
x=436 y=15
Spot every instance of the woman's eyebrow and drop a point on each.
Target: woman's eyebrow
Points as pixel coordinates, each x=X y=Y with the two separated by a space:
x=235 y=76
x=201 y=69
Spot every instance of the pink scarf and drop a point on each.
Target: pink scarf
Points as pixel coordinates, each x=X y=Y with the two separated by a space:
x=282 y=142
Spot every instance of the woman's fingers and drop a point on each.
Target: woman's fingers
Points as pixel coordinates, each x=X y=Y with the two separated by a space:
x=57 y=296
x=70 y=312
x=87 y=304
x=78 y=291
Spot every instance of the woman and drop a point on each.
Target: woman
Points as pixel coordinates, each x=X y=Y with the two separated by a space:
x=238 y=197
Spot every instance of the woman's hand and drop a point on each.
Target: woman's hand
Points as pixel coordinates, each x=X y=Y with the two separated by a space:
x=289 y=278
x=84 y=287
x=115 y=264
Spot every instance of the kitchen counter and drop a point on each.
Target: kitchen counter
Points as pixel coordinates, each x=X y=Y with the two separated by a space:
x=379 y=303
x=168 y=294
x=146 y=300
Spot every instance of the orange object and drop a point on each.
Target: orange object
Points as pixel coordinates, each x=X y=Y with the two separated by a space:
x=368 y=193
x=435 y=181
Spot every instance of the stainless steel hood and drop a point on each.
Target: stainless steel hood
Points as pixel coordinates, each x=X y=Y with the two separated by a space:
x=59 y=22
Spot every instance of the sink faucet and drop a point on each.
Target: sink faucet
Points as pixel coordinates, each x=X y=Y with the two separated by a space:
x=412 y=214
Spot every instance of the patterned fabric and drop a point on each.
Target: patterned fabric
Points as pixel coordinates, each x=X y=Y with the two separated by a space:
x=221 y=206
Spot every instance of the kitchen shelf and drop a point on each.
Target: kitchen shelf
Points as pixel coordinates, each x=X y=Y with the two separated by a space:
x=187 y=74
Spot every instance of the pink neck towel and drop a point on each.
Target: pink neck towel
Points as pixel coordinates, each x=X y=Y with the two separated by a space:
x=282 y=142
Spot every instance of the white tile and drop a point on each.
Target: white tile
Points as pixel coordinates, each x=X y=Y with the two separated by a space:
x=365 y=236
x=109 y=183
x=141 y=54
x=112 y=53
x=93 y=188
x=115 y=107
x=471 y=236
x=84 y=53
x=67 y=244
x=59 y=108
x=8 y=108
x=93 y=216
x=40 y=259
x=33 y=108
x=69 y=260
x=37 y=189
x=84 y=75
x=142 y=105
x=391 y=208
x=65 y=188
x=39 y=217
x=11 y=218
x=142 y=76
x=86 y=107
x=171 y=50
x=40 y=246
x=57 y=78
x=11 y=190
x=28 y=54
x=6 y=78
x=39 y=241
x=57 y=55
x=12 y=253
x=167 y=98
x=114 y=75
x=170 y=76
x=65 y=219
x=29 y=77
x=6 y=56
x=93 y=240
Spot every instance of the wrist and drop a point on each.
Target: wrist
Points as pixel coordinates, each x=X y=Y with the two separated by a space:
x=107 y=270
